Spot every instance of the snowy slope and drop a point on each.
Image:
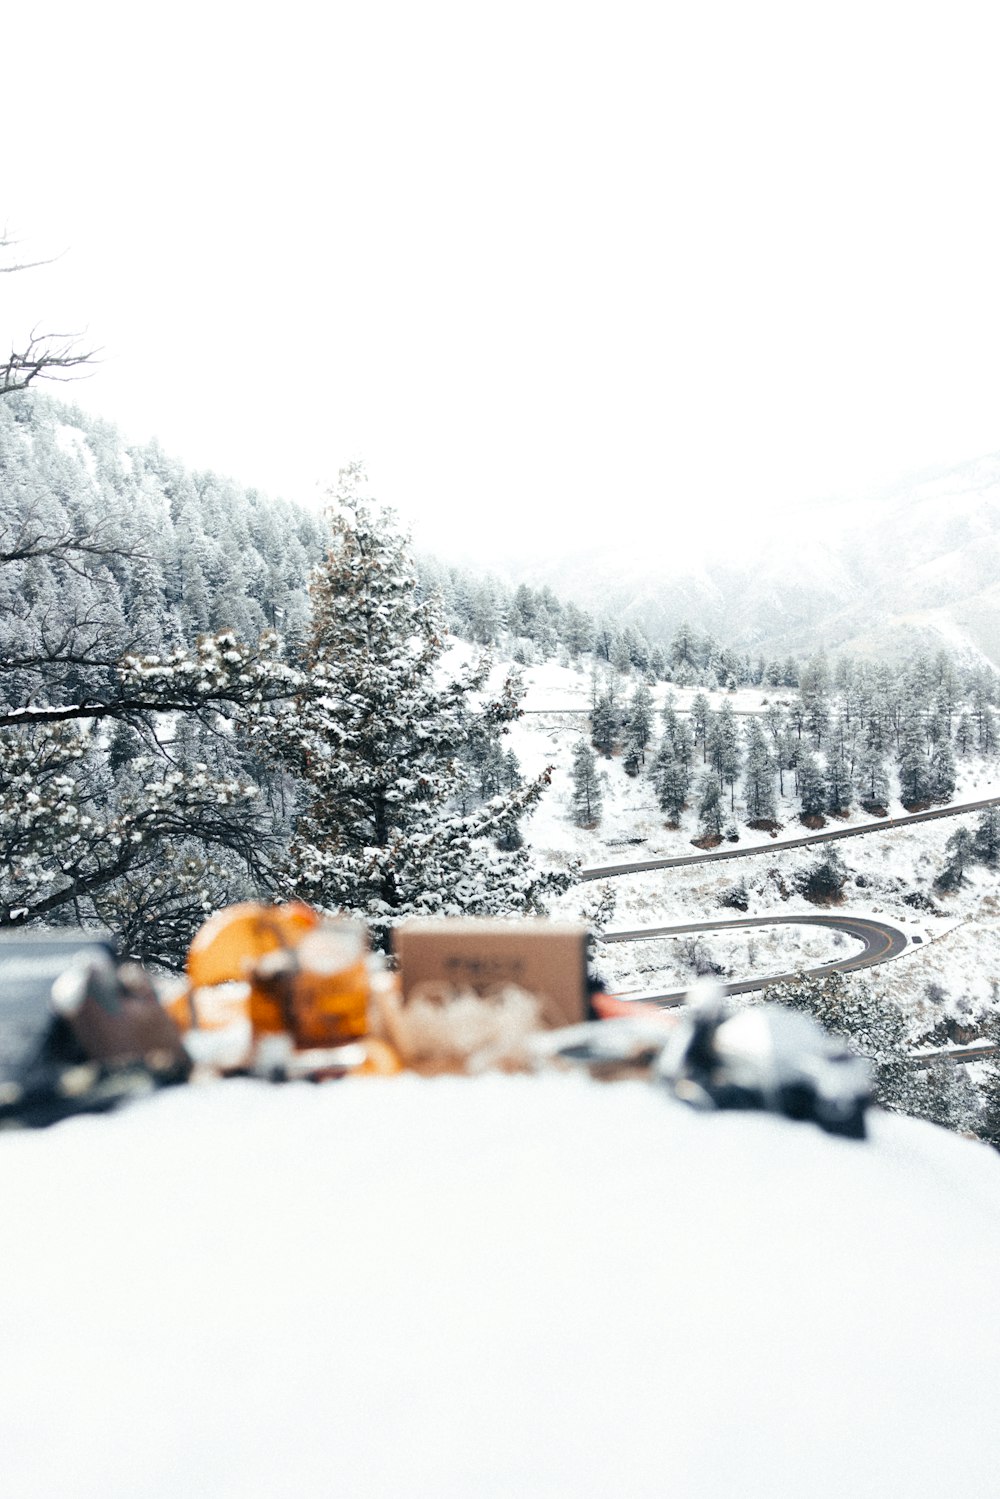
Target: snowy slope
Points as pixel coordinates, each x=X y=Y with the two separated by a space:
x=953 y=973
x=491 y=1290
x=914 y=566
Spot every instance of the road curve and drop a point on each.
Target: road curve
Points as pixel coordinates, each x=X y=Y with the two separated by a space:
x=881 y=940
x=607 y=871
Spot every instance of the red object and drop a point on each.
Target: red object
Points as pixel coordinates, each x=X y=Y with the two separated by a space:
x=611 y=1007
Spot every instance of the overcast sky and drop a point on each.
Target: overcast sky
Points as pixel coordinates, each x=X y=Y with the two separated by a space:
x=547 y=267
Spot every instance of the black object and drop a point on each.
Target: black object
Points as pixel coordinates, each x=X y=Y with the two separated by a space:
x=766 y=1057
x=79 y=1033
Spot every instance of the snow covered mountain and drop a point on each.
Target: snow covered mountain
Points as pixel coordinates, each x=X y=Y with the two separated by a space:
x=918 y=564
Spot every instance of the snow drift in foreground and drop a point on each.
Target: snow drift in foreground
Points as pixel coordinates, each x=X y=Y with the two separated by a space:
x=502 y=1287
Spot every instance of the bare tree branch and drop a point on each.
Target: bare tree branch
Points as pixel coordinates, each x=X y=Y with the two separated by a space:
x=8 y=243
x=33 y=539
x=46 y=356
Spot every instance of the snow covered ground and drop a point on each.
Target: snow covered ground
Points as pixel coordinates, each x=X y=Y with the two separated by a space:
x=499 y=1288
x=551 y=687
x=884 y=872
x=674 y=962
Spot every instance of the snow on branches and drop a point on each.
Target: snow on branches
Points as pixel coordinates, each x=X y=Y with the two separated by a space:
x=64 y=836
x=383 y=745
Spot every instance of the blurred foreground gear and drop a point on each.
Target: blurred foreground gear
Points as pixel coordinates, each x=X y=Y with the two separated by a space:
x=766 y=1057
x=79 y=1032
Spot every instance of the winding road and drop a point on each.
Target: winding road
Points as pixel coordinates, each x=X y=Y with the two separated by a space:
x=955 y=809
x=881 y=941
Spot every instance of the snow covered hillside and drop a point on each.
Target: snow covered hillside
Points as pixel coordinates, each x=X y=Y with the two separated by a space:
x=951 y=977
x=916 y=565
x=508 y=1288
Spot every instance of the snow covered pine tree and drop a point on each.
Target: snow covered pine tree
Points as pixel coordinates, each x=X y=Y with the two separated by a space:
x=376 y=737
x=587 y=796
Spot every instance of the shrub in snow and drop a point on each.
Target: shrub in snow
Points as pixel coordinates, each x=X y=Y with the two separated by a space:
x=736 y=897
x=919 y=901
x=695 y=954
x=824 y=880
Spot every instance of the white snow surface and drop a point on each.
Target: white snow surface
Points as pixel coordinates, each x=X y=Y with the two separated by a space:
x=542 y=1287
x=757 y=952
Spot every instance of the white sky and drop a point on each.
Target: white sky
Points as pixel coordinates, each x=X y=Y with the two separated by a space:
x=541 y=264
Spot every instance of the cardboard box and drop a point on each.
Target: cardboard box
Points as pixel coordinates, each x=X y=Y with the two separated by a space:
x=547 y=958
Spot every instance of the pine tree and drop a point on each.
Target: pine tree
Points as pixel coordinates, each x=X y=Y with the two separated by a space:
x=587 y=797
x=603 y=637
x=986 y=838
x=817 y=720
x=914 y=772
x=640 y=720
x=378 y=743
x=964 y=735
x=682 y=743
x=521 y=609
x=786 y=755
x=683 y=649
x=670 y=768
x=672 y=780
x=671 y=723
x=839 y=791
x=577 y=630
x=709 y=806
x=758 y=781
x=988 y=1124
x=942 y=773
x=621 y=658
x=960 y=852
x=872 y=779
x=701 y=718
x=724 y=749
x=604 y=723
x=774 y=722
x=812 y=786
x=513 y=780
x=487 y=616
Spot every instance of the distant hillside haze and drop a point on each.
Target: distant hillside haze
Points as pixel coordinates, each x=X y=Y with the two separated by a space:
x=917 y=566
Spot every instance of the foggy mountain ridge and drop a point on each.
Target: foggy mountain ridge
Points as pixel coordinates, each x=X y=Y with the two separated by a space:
x=918 y=565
